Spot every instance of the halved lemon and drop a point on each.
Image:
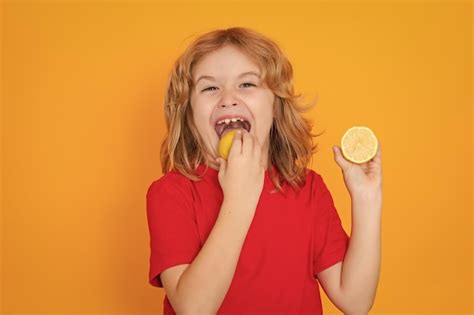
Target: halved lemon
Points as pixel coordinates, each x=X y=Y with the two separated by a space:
x=359 y=144
x=225 y=144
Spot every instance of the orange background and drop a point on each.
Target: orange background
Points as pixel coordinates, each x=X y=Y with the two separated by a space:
x=82 y=123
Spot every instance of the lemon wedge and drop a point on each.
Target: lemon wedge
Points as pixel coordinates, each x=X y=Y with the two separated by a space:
x=359 y=144
x=225 y=144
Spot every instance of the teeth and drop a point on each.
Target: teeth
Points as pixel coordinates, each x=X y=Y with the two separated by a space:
x=228 y=120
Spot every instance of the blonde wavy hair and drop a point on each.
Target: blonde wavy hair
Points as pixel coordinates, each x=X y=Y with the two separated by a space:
x=291 y=140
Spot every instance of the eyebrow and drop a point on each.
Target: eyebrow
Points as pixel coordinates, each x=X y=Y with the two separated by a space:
x=241 y=75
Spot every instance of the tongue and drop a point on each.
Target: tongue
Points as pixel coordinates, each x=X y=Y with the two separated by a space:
x=223 y=129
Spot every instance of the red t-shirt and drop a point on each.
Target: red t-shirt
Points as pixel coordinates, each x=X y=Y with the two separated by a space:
x=292 y=237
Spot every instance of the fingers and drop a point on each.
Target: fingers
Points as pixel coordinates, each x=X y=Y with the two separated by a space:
x=245 y=143
x=247 y=146
x=236 y=147
x=222 y=168
x=377 y=159
x=251 y=145
x=222 y=165
x=378 y=155
x=340 y=159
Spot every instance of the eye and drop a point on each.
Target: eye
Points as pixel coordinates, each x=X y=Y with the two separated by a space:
x=208 y=89
x=251 y=84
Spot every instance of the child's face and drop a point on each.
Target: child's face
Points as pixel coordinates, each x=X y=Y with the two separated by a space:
x=228 y=93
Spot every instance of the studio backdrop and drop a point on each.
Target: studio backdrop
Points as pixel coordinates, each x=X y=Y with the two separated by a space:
x=82 y=124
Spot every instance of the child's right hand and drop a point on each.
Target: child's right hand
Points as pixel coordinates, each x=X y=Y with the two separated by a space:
x=242 y=176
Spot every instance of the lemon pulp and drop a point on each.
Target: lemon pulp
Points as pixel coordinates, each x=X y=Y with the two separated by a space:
x=359 y=144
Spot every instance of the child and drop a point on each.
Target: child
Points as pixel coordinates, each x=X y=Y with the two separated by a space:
x=258 y=233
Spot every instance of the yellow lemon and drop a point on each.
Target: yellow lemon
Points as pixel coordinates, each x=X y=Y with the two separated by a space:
x=359 y=144
x=225 y=144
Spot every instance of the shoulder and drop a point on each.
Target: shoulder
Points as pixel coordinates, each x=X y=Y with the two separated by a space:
x=313 y=177
x=171 y=182
x=316 y=181
x=169 y=195
x=312 y=174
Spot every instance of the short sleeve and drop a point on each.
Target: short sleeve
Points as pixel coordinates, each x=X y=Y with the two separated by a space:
x=330 y=241
x=174 y=237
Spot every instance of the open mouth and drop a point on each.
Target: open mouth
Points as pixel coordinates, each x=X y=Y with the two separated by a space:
x=225 y=125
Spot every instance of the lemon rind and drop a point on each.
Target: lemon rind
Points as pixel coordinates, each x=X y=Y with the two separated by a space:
x=371 y=156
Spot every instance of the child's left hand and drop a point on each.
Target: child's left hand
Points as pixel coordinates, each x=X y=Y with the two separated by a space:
x=364 y=181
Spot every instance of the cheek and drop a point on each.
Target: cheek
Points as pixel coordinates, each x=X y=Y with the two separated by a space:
x=264 y=126
x=201 y=113
x=202 y=123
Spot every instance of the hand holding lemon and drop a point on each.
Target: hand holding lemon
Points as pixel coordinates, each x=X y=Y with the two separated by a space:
x=242 y=177
x=359 y=158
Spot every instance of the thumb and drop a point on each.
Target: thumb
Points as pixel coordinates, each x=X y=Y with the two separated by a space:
x=222 y=166
x=339 y=158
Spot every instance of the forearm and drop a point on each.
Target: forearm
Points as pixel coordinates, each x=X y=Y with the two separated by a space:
x=204 y=284
x=361 y=266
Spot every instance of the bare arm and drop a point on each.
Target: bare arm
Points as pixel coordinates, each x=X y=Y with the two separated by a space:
x=352 y=284
x=361 y=266
x=204 y=284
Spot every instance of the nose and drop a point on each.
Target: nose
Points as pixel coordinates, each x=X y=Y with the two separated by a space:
x=227 y=100
x=227 y=104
